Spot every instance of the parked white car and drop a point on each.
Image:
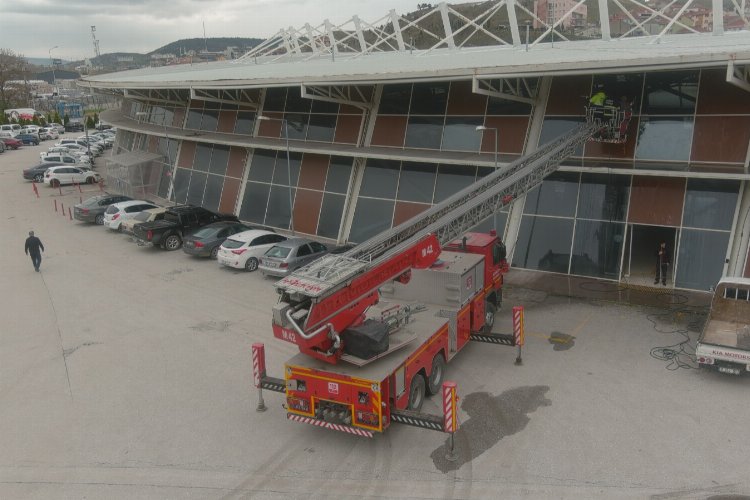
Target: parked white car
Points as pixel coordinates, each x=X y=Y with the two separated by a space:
x=12 y=128
x=47 y=133
x=124 y=210
x=74 y=146
x=244 y=250
x=60 y=157
x=95 y=149
x=55 y=176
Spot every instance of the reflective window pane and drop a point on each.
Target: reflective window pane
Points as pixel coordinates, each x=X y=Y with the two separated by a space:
x=212 y=194
x=254 y=202
x=295 y=103
x=460 y=133
x=417 y=182
x=701 y=258
x=498 y=106
x=451 y=179
x=325 y=107
x=275 y=97
x=710 y=203
x=196 y=188
x=496 y=222
x=210 y=119
x=245 y=123
x=597 y=249
x=670 y=93
x=370 y=218
x=339 y=172
x=395 y=99
x=543 y=243
x=380 y=178
x=286 y=165
x=553 y=128
x=181 y=181
x=429 y=98
x=330 y=215
x=202 y=157
x=665 y=139
x=261 y=168
x=279 y=207
x=296 y=126
x=557 y=195
x=194 y=118
x=603 y=197
x=321 y=128
x=219 y=160
x=424 y=132
x=629 y=85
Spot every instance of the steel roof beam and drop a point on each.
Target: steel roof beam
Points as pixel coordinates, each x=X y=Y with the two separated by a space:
x=351 y=95
x=520 y=92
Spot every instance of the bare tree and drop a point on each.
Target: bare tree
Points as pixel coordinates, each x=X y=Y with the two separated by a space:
x=13 y=68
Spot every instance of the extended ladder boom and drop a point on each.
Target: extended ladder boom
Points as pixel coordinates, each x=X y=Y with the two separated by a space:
x=329 y=293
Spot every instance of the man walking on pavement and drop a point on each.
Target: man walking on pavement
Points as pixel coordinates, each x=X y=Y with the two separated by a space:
x=34 y=248
x=662 y=264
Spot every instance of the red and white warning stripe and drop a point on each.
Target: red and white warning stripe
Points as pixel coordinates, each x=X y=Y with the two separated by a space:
x=449 y=407
x=518 y=325
x=329 y=425
x=259 y=362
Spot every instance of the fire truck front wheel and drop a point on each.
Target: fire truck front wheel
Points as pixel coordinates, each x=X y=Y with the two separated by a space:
x=435 y=380
x=416 y=392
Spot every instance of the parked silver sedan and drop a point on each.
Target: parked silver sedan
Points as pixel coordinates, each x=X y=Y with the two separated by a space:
x=284 y=257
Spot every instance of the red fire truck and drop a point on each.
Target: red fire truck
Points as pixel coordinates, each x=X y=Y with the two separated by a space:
x=376 y=326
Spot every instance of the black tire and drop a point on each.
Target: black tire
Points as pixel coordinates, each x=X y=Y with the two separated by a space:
x=437 y=374
x=416 y=392
x=215 y=252
x=90 y=180
x=489 y=316
x=172 y=242
x=99 y=220
x=251 y=264
x=39 y=178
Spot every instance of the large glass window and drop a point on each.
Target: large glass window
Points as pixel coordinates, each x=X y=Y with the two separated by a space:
x=460 y=133
x=210 y=118
x=296 y=126
x=553 y=128
x=339 y=172
x=451 y=179
x=254 y=202
x=284 y=166
x=380 y=179
x=670 y=93
x=275 y=98
x=557 y=195
x=202 y=157
x=261 y=168
x=430 y=98
x=424 y=132
x=219 y=160
x=196 y=188
x=370 y=218
x=330 y=215
x=701 y=258
x=395 y=99
x=279 y=212
x=212 y=194
x=710 y=203
x=181 y=181
x=665 y=138
x=194 y=117
x=603 y=197
x=544 y=243
x=597 y=249
x=417 y=182
x=321 y=128
x=245 y=123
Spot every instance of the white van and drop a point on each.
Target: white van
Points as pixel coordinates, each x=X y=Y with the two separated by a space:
x=13 y=128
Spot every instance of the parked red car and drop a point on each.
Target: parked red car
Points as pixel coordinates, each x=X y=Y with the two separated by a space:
x=11 y=143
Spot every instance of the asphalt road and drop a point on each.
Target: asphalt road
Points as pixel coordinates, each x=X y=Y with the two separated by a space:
x=125 y=372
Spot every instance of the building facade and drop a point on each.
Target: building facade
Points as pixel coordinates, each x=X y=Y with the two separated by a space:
x=344 y=148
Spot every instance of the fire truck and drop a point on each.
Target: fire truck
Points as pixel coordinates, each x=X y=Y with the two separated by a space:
x=377 y=325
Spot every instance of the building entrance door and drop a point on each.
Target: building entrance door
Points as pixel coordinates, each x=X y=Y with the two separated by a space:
x=640 y=253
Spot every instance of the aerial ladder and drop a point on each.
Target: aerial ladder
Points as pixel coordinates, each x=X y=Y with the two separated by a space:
x=321 y=300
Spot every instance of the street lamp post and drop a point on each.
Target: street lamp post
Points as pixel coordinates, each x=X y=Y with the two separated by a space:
x=288 y=166
x=52 y=63
x=481 y=129
x=528 y=23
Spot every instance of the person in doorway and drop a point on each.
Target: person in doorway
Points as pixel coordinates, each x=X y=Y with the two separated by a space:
x=662 y=263
x=34 y=248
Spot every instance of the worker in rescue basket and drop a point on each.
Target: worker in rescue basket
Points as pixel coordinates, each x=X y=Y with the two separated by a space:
x=597 y=101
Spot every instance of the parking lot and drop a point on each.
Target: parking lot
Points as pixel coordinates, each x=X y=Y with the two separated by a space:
x=125 y=372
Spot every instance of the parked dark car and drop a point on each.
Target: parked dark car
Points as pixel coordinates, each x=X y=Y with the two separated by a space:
x=36 y=173
x=11 y=143
x=205 y=242
x=178 y=222
x=28 y=139
x=92 y=209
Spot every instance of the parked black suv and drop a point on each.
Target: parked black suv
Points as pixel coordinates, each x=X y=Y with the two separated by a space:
x=178 y=222
x=92 y=209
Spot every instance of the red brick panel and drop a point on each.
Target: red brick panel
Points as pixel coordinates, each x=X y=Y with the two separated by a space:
x=153 y=144
x=657 y=201
x=237 y=160
x=178 y=119
x=313 y=171
x=511 y=134
x=306 y=210
x=389 y=131
x=405 y=210
x=718 y=97
x=187 y=154
x=463 y=102
x=227 y=119
x=347 y=129
x=568 y=95
x=229 y=195
x=721 y=138
x=270 y=128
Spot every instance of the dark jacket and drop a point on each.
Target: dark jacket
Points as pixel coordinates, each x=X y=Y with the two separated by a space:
x=664 y=258
x=33 y=244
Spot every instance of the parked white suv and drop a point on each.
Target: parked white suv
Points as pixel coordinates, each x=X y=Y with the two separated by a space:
x=55 y=176
x=124 y=210
x=12 y=128
x=244 y=250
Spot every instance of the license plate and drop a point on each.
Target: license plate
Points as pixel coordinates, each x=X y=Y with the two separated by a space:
x=271 y=264
x=731 y=371
x=189 y=244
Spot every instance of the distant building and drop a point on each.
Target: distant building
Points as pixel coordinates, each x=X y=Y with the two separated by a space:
x=552 y=11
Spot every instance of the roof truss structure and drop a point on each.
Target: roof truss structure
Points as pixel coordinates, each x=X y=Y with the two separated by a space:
x=359 y=96
x=163 y=96
x=243 y=97
x=739 y=75
x=500 y=22
x=512 y=89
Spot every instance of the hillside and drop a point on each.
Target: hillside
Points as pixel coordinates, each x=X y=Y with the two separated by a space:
x=210 y=44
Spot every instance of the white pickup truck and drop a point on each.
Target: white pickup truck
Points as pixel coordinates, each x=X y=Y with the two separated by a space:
x=724 y=344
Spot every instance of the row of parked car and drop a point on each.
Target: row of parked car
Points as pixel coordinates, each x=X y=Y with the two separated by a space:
x=202 y=233
x=13 y=135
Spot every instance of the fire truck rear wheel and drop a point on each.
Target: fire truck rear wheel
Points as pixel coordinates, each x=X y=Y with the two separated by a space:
x=416 y=392
x=435 y=380
x=489 y=316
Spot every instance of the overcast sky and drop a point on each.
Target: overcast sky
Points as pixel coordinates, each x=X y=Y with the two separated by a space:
x=31 y=27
